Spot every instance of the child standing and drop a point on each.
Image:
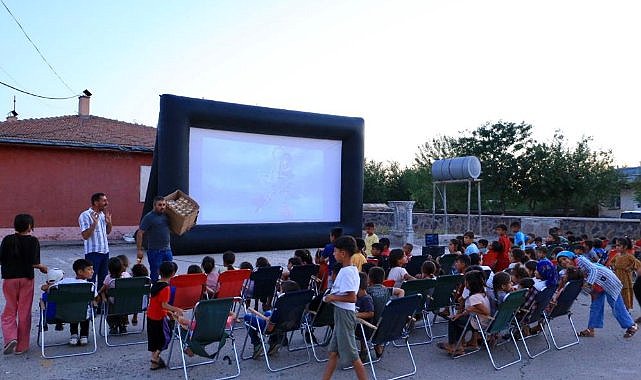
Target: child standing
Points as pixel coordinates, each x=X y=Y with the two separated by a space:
x=519 y=237
x=604 y=285
x=503 y=257
x=343 y=296
x=157 y=315
x=370 y=237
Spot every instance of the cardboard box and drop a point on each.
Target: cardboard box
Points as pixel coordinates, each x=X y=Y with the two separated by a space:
x=182 y=212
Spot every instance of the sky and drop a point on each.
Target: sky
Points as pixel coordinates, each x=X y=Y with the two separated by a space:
x=413 y=70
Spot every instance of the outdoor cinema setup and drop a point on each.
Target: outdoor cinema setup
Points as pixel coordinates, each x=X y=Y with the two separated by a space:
x=264 y=179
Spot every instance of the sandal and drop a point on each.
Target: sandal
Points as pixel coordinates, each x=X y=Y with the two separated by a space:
x=157 y=364
x=629 y=333
x=587 y=333
x=188 y=352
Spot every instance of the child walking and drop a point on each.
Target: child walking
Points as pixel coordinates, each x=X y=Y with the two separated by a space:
x=157 y=315
x=343 y=296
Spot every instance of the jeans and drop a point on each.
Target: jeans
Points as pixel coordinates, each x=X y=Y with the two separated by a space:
x=618 y=309
x=16 y=316
x=155 y=257
x=100 y=262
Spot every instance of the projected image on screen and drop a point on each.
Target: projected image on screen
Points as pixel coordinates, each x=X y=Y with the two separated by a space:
x=240 y=178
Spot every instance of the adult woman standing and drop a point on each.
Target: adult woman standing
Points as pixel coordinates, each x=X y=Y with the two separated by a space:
x=19 y=255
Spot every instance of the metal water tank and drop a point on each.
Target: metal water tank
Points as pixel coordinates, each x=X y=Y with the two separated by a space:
x=458 y=168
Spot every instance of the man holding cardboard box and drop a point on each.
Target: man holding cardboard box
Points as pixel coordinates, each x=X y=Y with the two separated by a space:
x=155 y=226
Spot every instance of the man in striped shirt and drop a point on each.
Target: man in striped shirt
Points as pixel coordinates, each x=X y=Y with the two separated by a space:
x=95 y=225
x=605 y=285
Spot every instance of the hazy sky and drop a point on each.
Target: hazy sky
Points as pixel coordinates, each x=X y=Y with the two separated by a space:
x=412 y=69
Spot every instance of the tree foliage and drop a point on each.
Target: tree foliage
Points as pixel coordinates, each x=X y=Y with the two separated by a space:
x=518 y=173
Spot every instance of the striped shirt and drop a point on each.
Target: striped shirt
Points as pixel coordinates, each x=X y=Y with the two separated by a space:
x=97 y=242
x=600 y=275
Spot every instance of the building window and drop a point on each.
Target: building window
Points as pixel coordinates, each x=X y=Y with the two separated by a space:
x=144 y=181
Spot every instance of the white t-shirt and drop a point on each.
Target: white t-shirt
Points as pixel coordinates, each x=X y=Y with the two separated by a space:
x=398 y=275
x=475 y=299
x=346 y=281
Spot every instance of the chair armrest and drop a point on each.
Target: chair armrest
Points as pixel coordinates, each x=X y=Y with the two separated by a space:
x=258 y=314
x=365 y=323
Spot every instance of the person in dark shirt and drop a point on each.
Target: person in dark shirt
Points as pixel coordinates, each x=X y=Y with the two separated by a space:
x=19 y=255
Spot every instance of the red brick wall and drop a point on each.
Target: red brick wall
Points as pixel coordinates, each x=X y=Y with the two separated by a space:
x=55 y=184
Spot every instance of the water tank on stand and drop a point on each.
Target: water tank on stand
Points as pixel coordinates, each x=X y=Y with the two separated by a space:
x=458 y=168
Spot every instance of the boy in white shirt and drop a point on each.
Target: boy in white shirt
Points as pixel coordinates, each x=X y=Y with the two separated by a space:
x=343 y=296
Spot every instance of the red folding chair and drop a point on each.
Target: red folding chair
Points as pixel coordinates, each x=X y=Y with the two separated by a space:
x=389 y=283
x=231 y=282
x=189 y=289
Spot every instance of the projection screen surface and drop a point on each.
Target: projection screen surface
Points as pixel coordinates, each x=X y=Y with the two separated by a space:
x=241 y=178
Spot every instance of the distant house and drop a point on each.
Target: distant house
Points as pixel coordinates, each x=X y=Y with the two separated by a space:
x=49 y=168
x=625 y=201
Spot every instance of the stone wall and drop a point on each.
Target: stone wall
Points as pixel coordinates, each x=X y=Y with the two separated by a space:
x=457 y=224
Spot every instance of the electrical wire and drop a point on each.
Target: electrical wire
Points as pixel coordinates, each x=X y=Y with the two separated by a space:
x=36 y=95
x=36 y=47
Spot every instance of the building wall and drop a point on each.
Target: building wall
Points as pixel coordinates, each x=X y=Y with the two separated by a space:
x=55 y=184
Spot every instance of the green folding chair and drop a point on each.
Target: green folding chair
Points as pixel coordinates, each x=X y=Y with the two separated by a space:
x=73 y=305
x=425 y=287
x=207 y=327
x=128 y=296
x=503 y=320
x=442 y=297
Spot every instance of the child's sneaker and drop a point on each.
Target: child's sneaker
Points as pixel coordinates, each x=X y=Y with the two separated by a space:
x=122 y=329
x=73 y=341
x=83 y=340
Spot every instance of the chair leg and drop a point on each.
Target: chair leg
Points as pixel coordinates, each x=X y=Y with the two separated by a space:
x=527 y=349
x=576 y=335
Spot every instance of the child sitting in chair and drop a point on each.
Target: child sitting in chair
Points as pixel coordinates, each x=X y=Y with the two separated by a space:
x=252 y=322
x=53 y=277
x=84 y=272
x=117 y=323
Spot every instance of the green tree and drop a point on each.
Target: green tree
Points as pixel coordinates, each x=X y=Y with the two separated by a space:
x=374 y=190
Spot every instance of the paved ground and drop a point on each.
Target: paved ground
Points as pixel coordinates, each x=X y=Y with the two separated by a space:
x=606 y=356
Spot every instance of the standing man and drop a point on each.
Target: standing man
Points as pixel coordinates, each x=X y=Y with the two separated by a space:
x=155 y=226
x=95 y=225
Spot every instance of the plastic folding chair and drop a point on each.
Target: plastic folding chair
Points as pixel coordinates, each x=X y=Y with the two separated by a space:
x=424 y=287
x=189 y=289
x=73 y=305
x=564 y=307
x=503 y=320
x=207 y=327
x=392 y=326
x=303 y=274
x=289 y=309
x=535 y=315
x=130 y=296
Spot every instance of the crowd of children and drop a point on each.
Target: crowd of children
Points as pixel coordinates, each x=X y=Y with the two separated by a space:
x=355 y=271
